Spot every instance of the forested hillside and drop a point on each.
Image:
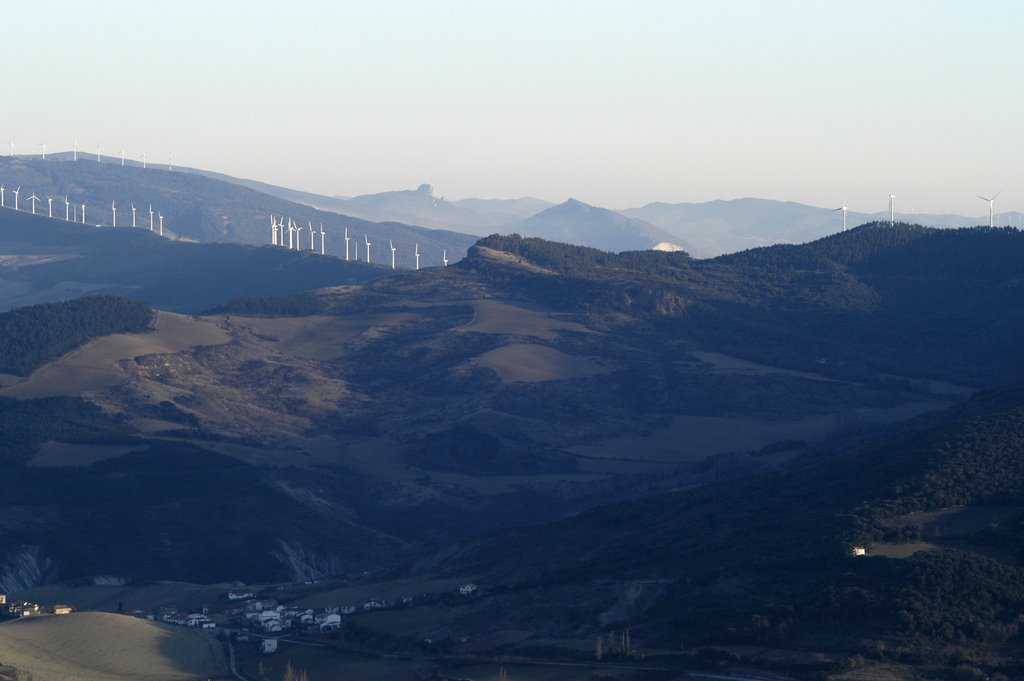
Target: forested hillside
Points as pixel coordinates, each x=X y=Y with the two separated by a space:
x=31 y=336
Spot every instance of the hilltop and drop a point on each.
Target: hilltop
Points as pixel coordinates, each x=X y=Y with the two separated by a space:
x=104 y=647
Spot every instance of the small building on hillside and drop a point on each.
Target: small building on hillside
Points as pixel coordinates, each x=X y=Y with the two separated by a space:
x=268 y=645
x=63 y=609
x=240 y=594
x=467 y=589
x=860 y=551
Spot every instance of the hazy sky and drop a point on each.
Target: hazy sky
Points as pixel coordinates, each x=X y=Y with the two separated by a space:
x=614 y=103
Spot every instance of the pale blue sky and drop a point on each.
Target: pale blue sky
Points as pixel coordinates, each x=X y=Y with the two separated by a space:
x=614 y=103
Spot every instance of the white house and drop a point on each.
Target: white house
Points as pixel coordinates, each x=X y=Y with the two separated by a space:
x=347 y=609
x=467 y=589
x=240 y=594
x=860 y=551
x=331 y=622
x=268 y=645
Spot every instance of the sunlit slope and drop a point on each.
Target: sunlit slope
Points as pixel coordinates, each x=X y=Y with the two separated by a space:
x=104 y=647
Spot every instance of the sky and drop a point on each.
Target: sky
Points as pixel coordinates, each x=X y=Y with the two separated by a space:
x=614 y=103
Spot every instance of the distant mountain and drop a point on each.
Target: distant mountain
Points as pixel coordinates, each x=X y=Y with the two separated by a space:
x=44 y=260
x=419 y=207
x=506 y=210
x=717 y=227
x=577 y=223
x=204 y=208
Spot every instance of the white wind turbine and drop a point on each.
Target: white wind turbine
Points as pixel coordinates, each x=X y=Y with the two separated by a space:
x=75 y=146
x=160 y=216
x=346 y=245
x=291 y=234
x=11 y=142
x=143 y=157
x=98 y=150
x=991 y=205
x=298 y=237
x=844 y=209
x=273 y=230
x=113 y=208
x=33 y=199
x=67 y=209
x=323 y=237
x=892 y=209
x=151 y=217
x=49 y=201
x=83 y=213
x=312 y=246
x=417 y=256
x=133 y=215
x=444 y=257
x=365 y=236
x=392 y=245
x=1 y=196
x=122 y=158
x=43 y=145
x=16 y=198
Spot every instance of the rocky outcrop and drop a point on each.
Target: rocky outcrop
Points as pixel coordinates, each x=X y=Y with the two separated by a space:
x=25 y=567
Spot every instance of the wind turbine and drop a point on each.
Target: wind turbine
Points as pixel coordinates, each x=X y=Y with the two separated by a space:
x=122 y=158
x=892 y=209
x=312 y=246
x=844 y=209
x=16 y=198
x=133 y=215
x=67 y=209
x=273 y=230
x=444 y=257
x=143 y=157
x=83 y=213
x=1 y=196
x=346 y=245
x=417 y=256
x=11 y=142
x=392 y=245
x=169 y=162
x=49 y=201
x=367 y=248
x=298 y=237
x=161 y=217
x=991 y=204
x=76 y=149
x=33 y=199
x=323 y=236
x=151 y=217
x=291 y=234
x=113 y=207
x=43 y=145
x=98 y=150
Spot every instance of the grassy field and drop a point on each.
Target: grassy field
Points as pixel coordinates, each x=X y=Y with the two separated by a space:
x=95 y=366
x=320 y=338
x=956 y=522
x=495 y=316
x=529 y=362
x=105 y=647
x=145 y=597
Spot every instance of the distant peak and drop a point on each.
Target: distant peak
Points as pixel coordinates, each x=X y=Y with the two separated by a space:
x=426 y=189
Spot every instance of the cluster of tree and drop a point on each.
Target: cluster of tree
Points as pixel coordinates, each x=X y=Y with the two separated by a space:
x=295 y=305
x=32 y=336
x=29 y=423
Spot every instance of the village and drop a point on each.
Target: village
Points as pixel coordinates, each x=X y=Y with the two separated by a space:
x=252 y=615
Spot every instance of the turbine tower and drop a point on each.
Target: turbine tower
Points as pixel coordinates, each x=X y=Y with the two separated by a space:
x=98 y=150
x=33 y=199
x=392 y=245
x=991 y=204
x=11 y=142
x=417 y=256
x=892 y=209
x=844 y=209
x=113 y=208
x=151 y=217
x=1 y=196
x=444 y=257
x=16 y=198
x=169 y=162
x=76 y=149
x=49 y=202
x=291 y=234
x=67 y=209
x=143 y=157
x=160 y=216
x=83 y=213
x=312 y=246
x=346 y=245
x=367 y=248
x=273 y=230
x=43 y=145
x=133 y=215
x=323 y=236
